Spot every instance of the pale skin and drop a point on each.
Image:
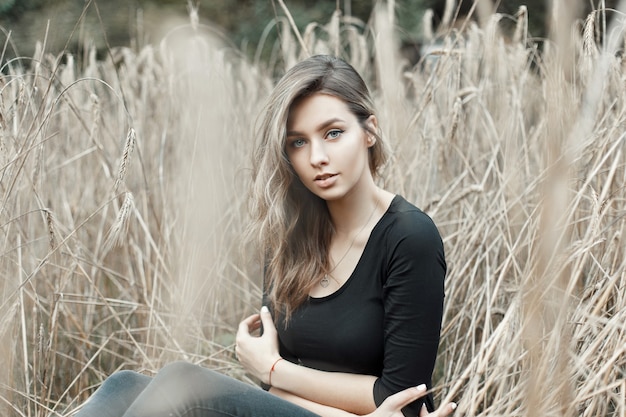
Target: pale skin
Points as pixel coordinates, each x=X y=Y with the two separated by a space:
x=328 y=150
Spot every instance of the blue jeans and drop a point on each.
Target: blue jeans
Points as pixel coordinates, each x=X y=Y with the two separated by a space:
x=184 y=390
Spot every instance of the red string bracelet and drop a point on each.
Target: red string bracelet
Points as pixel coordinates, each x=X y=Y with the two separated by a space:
x=272 y=369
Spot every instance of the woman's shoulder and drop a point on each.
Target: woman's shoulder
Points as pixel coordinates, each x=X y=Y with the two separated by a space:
x=406 y=218
x=406 y=226
x=412 y=243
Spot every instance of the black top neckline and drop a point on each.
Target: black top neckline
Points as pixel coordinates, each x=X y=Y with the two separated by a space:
x=346 y=284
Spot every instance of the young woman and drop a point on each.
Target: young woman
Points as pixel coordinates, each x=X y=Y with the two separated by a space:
x=353 y=278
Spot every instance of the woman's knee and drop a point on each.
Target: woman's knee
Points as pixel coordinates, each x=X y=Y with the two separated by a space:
x=179 y=368
x=188 y=375
x=115 y=394
x=126 y=377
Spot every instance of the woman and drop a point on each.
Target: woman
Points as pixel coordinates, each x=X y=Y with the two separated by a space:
x=353 y=278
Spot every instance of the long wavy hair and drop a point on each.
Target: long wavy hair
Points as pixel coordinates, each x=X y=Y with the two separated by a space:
x=290 y=224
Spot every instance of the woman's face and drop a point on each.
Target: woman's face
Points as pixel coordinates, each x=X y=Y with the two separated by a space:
x=328 y=147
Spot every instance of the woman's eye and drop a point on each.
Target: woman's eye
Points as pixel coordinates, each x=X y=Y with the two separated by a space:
x=334 y=134
x=298 y=143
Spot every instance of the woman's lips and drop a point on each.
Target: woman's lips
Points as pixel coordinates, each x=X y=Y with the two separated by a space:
x=325 y=180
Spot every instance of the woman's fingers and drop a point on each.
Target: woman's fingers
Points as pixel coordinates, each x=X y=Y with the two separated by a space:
x=257 y=353
x=268 y=322
x=393 y=405
x=249 y=324
x=397 y=401
x=442 y=411
x=445 y=410
x=253 y=323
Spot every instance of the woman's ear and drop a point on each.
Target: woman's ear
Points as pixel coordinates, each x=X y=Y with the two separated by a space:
x=371 y=125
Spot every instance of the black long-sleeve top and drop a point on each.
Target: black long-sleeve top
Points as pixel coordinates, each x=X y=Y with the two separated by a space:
x=385 y=320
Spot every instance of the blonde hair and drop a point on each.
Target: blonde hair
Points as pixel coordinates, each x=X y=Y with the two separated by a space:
x=290 y=224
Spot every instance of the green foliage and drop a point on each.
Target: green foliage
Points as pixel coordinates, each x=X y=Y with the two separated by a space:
x=13 y=8
x=243 y=22
x=6 y=5
x=410 y=15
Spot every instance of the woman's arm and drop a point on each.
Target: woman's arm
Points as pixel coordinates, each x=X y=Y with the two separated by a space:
x=391 y=407
x=413 y=295
x=329 y=394
x=319 y=409
x=350 y=392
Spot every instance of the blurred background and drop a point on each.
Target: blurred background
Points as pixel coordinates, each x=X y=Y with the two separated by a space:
x=241 y=22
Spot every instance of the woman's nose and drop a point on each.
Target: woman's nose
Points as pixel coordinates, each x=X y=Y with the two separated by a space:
x=319 y=156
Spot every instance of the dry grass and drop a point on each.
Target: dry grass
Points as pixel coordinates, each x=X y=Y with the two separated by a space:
x=122 y=200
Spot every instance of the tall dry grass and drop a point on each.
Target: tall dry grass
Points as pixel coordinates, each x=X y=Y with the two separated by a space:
x=122 y=204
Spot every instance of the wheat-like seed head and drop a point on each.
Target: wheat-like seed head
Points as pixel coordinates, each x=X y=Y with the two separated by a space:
x=589 y=39
x=119 y=230
x=521 y=26
x=427 y=25
x=129 y=147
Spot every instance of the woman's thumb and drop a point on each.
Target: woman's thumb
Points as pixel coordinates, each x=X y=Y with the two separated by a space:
x=266 y=319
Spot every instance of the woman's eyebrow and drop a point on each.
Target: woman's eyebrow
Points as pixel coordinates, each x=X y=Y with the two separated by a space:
x=322 y=126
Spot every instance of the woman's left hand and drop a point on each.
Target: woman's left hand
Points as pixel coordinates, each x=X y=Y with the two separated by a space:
x=257 y=353
x=392 y=406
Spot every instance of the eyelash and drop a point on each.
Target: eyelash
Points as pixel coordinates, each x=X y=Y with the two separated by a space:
x=294 y=143
x=338 y=131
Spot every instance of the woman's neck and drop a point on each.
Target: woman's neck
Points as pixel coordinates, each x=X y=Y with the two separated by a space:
x=355 y=211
